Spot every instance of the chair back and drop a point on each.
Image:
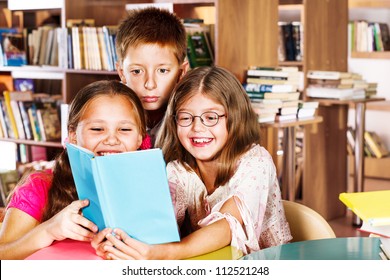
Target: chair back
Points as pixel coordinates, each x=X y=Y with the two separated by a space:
x=305 y=223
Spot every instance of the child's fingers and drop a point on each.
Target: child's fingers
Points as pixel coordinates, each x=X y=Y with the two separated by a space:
x=100 y=237
x=121 y=249
x=77 y=205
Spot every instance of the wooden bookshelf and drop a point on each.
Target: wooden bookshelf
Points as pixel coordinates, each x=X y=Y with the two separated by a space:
x=324 y=152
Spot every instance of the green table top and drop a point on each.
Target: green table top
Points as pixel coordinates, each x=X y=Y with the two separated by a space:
x=350 y=248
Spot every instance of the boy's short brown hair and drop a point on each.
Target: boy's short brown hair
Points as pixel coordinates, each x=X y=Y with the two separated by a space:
x=151 y=26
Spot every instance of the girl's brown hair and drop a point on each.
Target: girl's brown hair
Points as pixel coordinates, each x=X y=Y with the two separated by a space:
x=242 y=126
x=63 y=191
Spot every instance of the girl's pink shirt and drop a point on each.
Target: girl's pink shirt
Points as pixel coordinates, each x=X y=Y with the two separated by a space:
x=31 y=196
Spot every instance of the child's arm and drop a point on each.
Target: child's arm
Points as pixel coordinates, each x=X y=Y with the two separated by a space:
x=204 y=240
x=21 y=235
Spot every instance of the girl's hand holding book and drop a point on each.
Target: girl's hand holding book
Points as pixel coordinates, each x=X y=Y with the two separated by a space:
x=69 y=223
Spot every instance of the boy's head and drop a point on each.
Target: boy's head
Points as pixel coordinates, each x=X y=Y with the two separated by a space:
x=151 y=48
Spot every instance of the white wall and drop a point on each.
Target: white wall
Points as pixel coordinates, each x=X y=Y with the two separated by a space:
x=373 y=70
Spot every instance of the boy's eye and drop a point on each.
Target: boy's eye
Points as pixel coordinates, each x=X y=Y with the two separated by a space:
x=163 y=71
x=136 y=71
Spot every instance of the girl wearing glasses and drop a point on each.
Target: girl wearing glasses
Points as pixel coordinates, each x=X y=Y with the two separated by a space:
x=223 y=183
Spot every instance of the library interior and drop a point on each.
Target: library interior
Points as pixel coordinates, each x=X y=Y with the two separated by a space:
x=316 y=73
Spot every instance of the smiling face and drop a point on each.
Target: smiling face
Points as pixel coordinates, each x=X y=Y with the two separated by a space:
x=108 y=125
x=152 y=72
x=203 y=142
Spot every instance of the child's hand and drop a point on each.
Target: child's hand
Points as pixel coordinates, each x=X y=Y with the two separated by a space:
x=99 y=242
x=122 y=247
x=69 y=223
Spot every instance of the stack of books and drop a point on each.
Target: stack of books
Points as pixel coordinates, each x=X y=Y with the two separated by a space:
x=307 y=109
x=274 y=92
x=338 y=85
x=374 y=209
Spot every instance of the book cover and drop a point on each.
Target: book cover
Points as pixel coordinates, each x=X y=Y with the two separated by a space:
x=328 y=75
x=331 y=93
x=276 y=88
x=5 y=122
x=10 y=116
x=51 y=122
x=24 y=84
x=198 y=52
x=375 y=143
x=33 y=116
x=25 y=119
x=13 y=45
x=385 y=246
x=372 y=206
x=128 y=191
x=383 y=231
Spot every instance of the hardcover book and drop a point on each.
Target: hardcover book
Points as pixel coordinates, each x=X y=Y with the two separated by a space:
x=126 y=190
x=198 y=52
x=375 y=143
x=372 y=207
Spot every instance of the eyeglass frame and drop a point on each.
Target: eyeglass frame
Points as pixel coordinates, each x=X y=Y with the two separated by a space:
x=200 y=117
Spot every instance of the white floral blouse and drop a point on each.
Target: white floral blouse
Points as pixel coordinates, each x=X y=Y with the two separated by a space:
x=256 y=192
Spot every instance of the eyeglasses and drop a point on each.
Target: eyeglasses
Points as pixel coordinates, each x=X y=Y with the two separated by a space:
x=208 y=119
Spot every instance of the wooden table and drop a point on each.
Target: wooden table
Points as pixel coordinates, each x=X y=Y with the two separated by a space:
x=360 y=117
x=289 y=161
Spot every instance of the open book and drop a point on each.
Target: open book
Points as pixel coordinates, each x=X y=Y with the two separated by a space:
x=128 y=191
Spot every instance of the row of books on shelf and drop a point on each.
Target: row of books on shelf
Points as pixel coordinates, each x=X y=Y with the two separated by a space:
x=373 y=144
x=82 y=45
x=338 y=85
x=24 y=115
x=290 y=45
x=367 y=36
x=373 y=208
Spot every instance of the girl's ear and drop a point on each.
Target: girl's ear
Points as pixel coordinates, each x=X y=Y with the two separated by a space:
x=72 y=137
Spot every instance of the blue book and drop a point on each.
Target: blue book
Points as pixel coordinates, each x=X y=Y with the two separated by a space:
x=128 y=191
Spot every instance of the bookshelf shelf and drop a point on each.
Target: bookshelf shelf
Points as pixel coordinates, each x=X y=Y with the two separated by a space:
x=369 y=3
x=291 y=63
x=33 y=143
x=371 y=55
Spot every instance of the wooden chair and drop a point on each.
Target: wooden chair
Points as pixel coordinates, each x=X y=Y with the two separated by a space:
x=305 y=223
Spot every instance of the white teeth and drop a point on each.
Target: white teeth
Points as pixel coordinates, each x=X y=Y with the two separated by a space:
x=107 y=153
x=201 y=140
